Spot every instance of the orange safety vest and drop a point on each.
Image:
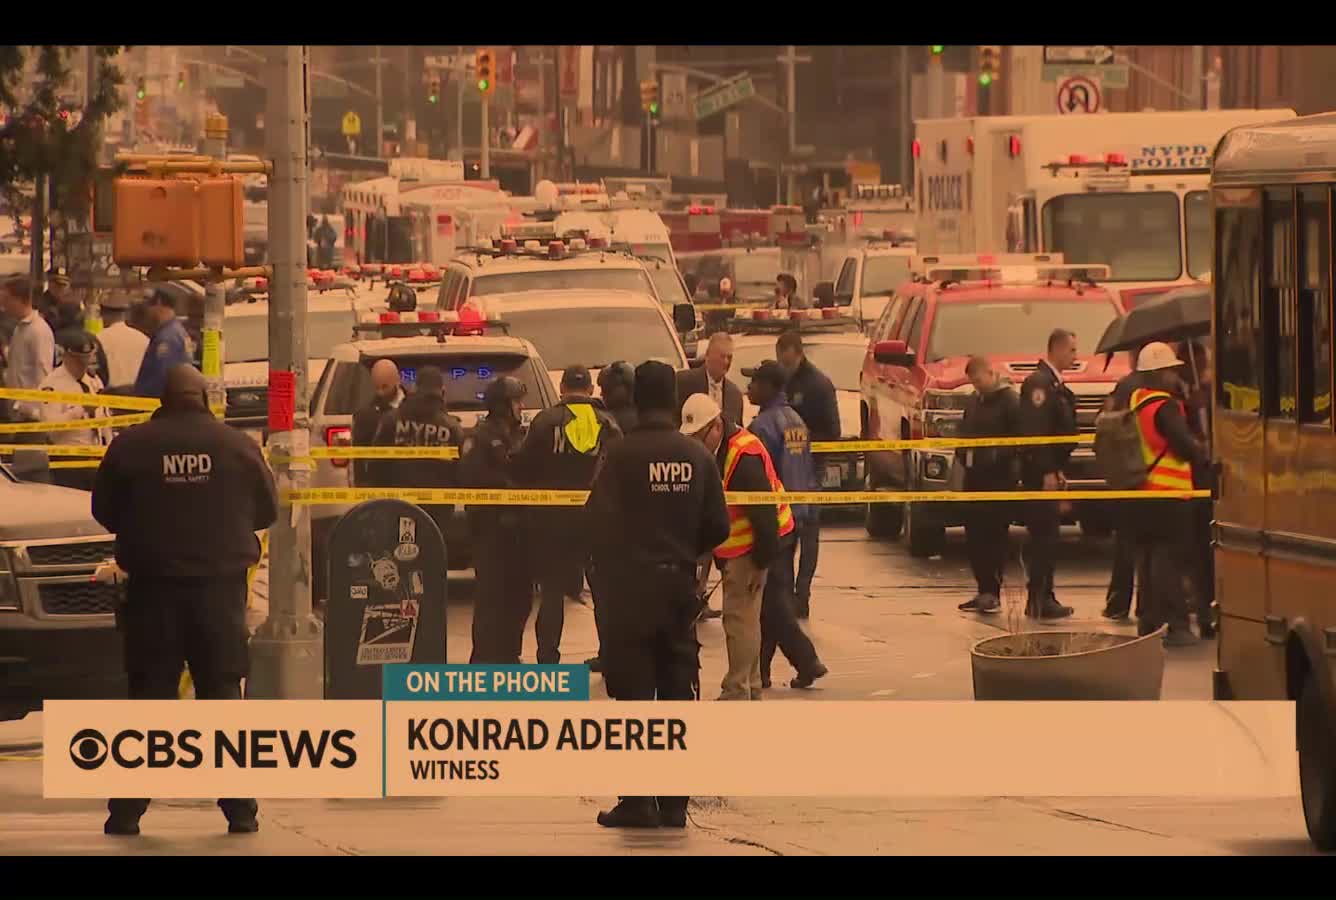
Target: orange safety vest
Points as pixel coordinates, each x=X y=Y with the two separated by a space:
x=1170 y=473
x=739 y=541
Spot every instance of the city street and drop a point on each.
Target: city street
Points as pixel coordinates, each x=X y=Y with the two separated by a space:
x=888 y=629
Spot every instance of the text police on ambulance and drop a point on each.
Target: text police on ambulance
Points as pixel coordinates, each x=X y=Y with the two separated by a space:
x=261 y=748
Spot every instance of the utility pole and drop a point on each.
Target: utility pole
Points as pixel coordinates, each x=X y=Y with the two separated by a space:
x=790 y=60
x=460 y=76
x=92 y=304
x=215 y=295
x=408 y=136
x=906 y=120
x=286 y=650
x=484 y=154
x=380 y=113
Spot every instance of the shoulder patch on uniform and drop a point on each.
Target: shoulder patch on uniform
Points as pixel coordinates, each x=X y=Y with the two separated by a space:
x=1038 y=397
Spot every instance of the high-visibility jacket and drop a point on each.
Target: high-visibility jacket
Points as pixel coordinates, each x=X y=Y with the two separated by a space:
x=739 y=540
x=1165 y=470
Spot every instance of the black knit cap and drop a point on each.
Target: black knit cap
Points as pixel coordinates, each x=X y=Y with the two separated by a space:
x=656 y=387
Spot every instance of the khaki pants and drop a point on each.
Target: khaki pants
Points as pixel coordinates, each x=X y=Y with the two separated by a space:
x=744 y=585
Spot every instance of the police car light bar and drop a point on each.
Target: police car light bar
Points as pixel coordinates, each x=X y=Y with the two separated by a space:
x=924 y=264
x=527 y=231
x=1088 y=273
x=977 y=273
x=424 y=324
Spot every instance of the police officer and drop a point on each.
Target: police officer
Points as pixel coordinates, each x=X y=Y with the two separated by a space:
x=420 y=420
x=504 y=595
x=168 y=347
x=184 y=494
x=992 y=411
x=655 y=507
x=1048 y=407
x=616 y=383
x=389 y=394
x=811 y=392
x=562 y=451
x=74 y=376
x=786 y=439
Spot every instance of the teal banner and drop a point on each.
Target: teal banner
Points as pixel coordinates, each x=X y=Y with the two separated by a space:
x=404 y=681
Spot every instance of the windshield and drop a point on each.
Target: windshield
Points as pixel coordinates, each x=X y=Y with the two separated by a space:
x=246 y=338
x=1197 y=215
x=1136 y=235
x=756 y=268
x=840 y=362
x=562 y=280
x=667 y=284
x=595 y=337
x=1016 y=327
x=466 y=378
x=883 y=274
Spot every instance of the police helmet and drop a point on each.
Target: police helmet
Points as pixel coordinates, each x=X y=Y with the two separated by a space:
x=500 y=393
x=402 y=298
x=619 y=372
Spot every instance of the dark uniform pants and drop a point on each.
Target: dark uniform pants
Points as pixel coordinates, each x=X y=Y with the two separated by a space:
x=503 y=598
x=559 y=560
x=987 y=525
x=1043 y=522
x=779 y=624
x=809 y=550
x=1128 y=573
x=168 y=623
x=1164 y=536
x=647 y=639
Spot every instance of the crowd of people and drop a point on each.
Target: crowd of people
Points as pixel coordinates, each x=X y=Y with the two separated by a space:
x=49 y=346
x=1162 y=550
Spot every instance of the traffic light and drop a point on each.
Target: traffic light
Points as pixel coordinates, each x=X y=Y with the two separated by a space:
x=434 y=91
x=649 y=98
x=484 y=64
x=990 y=65
x=936 y=51
x=141 y=90
x=181 y=81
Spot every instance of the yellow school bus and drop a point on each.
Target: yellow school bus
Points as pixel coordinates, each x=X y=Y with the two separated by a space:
x=1275 y=530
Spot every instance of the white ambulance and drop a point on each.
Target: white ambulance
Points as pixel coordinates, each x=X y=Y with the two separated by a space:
x=1125 y=189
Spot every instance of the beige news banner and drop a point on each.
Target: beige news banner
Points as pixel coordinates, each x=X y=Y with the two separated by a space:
x=851 y=748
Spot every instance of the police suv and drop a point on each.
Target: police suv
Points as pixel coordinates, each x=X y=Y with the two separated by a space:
x=469 y=361
x=58 y=637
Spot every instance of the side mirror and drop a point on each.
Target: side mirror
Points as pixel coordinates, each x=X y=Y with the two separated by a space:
x=893 y=353
x=824 y=293
x=684 y=317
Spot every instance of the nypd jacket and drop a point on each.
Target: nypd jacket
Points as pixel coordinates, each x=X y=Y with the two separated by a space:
x=787 y=440
x=169 y=347
x=1048 y=407
x=365 y=423
x=565 y=445
x=658 y=500
x=995 y=413
x=627 y=417
x=420 y=421
x=184 y=494
x=486 y=462
x=812 y=395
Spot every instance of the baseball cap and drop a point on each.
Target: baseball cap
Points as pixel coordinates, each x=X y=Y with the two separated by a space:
x=1157 y=355
x=698 y=412
x=576 y=377
x=768 y=371
x=76 y=342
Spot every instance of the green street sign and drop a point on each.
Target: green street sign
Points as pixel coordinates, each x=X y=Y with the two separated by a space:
x=730 y=94
x=1114 y=76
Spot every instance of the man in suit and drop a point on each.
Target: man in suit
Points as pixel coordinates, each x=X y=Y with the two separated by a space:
x=711 y=379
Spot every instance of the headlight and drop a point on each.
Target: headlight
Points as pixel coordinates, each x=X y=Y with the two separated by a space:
x=942 y=423
x=934 y=467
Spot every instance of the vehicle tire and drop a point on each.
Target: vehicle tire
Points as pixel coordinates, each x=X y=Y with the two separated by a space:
x=1317 y=764
x=925 y=537
x=883 y=521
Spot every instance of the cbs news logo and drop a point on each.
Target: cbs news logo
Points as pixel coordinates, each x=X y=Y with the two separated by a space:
x=276 y=749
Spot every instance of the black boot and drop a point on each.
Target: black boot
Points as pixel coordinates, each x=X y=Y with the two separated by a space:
x=672 y=812
x=807 y=679
x=631 y=812
x=125 y=827
x=594 y=663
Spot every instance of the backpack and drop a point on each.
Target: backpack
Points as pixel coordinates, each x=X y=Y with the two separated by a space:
x=1118 y=454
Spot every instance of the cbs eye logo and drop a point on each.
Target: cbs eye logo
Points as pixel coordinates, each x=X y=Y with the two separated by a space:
x=88 y=749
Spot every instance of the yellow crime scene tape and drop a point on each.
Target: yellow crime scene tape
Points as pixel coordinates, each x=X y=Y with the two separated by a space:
x=78 y=425
x=115 y=401
x=949 y=443
x=485 y=497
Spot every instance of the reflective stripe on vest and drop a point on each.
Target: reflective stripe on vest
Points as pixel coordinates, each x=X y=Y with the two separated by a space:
x=1171 y=473
x=740 y=539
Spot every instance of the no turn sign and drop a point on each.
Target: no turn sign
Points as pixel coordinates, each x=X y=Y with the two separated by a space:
x=1078 y=96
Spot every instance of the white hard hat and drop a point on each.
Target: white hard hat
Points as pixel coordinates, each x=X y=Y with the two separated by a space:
x=1157 y=355
x=698 y=412
x=725 y=284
